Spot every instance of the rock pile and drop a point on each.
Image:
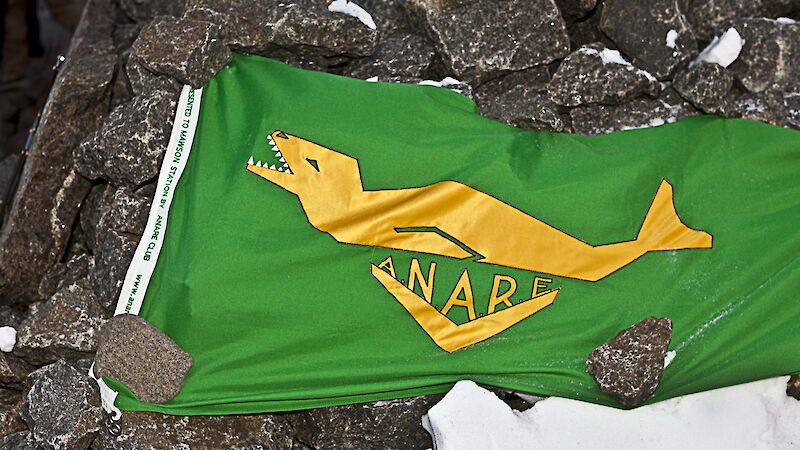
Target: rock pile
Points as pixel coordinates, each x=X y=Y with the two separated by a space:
x=580 y=66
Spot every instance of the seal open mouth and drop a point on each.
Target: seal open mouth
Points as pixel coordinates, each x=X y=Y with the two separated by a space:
x=280 y=165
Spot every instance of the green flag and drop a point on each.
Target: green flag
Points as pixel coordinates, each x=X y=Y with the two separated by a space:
x=332 y=241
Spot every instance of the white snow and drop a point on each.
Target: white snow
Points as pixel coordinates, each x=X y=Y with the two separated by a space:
x=671 y=36
x=613 y=56
x=669 y=357
x=447 y=81
x=351 y=9
x=8 y=337
x=723 y=50
x=785 y=20
x=756 y=415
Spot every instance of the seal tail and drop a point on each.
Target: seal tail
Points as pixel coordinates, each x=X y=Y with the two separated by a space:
x=662 y=229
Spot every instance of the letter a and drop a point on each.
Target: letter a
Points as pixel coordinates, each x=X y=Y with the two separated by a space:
x=468 y=302
x=426 y=285
x=388 y=265
x=494 y=300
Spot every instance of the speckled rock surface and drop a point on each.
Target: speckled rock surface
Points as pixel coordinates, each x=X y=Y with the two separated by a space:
x=513 y=35
x=521 y=99
x=62 y=408
x=709 y=16
x=140 y=355
x=596 y=74
x=63 y=327
x=628 y=368
x=706 y=86
x=13 y=370
x=770 y=56
x=397 y=55
x=793 y=386
x=637 y=113
x=640 y=29
x=193 y=54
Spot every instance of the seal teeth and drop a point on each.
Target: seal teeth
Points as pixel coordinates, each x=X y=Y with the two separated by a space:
x=250 y=161
x=259 y=164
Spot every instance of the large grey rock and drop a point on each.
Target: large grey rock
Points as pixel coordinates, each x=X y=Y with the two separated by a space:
x=22 y=440
x=640 y=29
x=628 y=368
x=13 y=370
x=770 y=56
x=126 y=149
x=595 y=74
x=139 y=430
x=62 y=408
x=378 y=425
x=94 y=207
x=145 y=82
x=304 y=28
x=62 y=274
x=520 y=99
x=117 y=234
x=773 y=107
x=191 y=55
x=63 y=327
x=46 y=205
x=404 y=55
x=142 y=11
x=142 y=357
x=10 y=413
x=709 y=16
x=706 y=85
x=637 y=113
x=513 y=35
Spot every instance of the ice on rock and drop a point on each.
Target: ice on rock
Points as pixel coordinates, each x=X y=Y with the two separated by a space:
x=723 y=50
x=613 y=56
x=756 y=415
x=351 y=9
x=671 y=36
x=8 y=337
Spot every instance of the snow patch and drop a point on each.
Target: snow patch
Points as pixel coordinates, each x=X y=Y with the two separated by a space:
x=613 y=56
x=756 y=415
x=372 y=79
x=8 y=337
x=671 y=36
x=351 y=9
x=669 y=357
x=785 y=20
x=448 y=81
x=723 y=50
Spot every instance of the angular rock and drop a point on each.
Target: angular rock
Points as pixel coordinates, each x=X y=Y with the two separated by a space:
x=513 y=35
x=709 y=16
x=94 y=207
x=142 y=357
x=13 y=370
x=62 y=274
x=194 y=53
x=770 y=56
x=10 y=317
x=520 y=99
x=145 y=82
x=637 y=113
x=41 y=217
x=388 y=15
x=306 y=29
x=403 y=55
x=126 y=149
x=575 y=9
x=595 y=74
x=641 y=29
x=117 y=234
x=771 y=107
x=10 y=413
x=62 y=408
x=152 y=430
x=63 y=327
x=142 y=11
x=22 y=440
x=377 y=425
x=628 y=368
x=706 y=86
x=793 y=386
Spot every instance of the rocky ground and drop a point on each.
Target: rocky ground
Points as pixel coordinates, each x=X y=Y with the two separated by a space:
x=578 y=66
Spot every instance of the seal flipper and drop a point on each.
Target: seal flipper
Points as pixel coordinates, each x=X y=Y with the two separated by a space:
x=662 y=229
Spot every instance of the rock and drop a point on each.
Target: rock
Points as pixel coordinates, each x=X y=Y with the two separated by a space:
x=792 y=102
x=595 y=74
x=520 y=99
x=10 y=317
x=305 y=29
x=640 y=30
x=126 y=148
x=36 y=233
x=776 y=108
x=403 y=55
x=61 y=274
x=637 y=113
x=145 y=82
x=793 y=386
x=152 y=430
x=94 y=207
x=62 y=408
x=770 y=56
x=10 y=410
x=142 y=11
x=706 y=86
x=63 y=327
x=628 y=368
x=13 y=370
x=19 y=441
x=193 y=56
x=389 y=15
x=377 y=425
x=709 y=16
x=513 y=35
x=576 y=9
x=142 y=357
x=8 y=170
x=117 y=234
